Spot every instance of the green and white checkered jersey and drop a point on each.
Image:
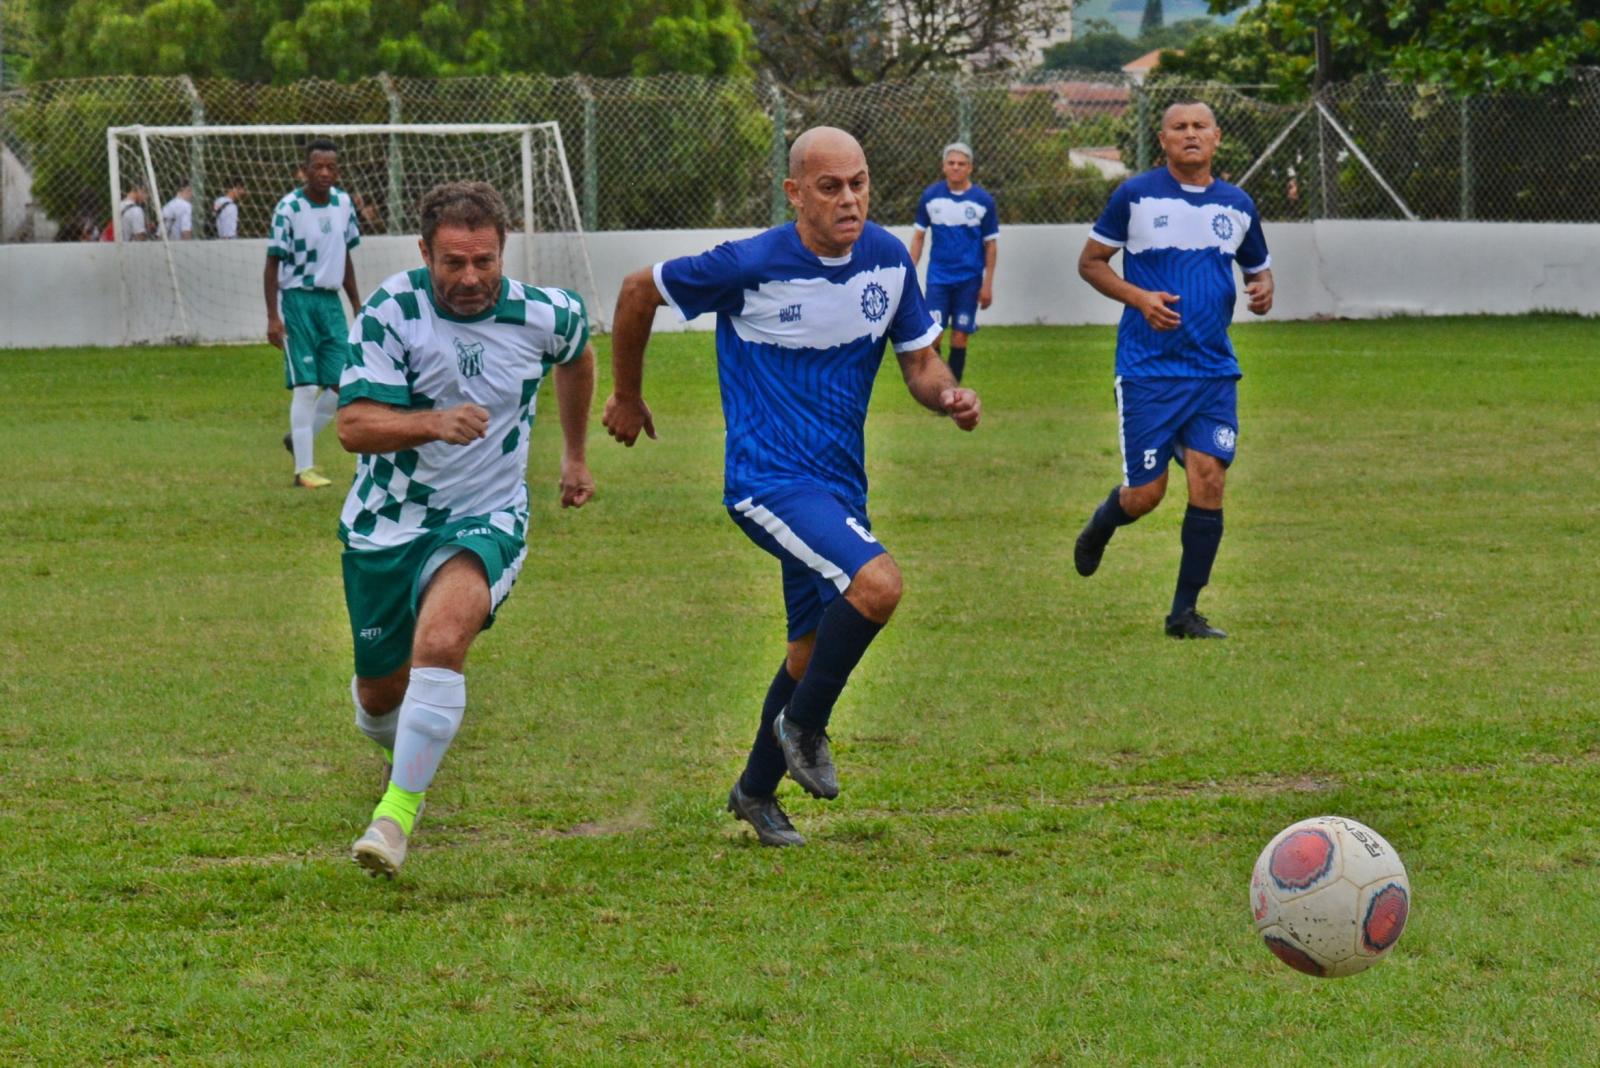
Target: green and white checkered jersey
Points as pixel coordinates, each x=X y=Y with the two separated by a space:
x=407 y=352
x=309 y=240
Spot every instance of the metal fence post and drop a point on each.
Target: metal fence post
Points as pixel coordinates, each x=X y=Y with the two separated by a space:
x=1141 y=119
x=397 y=177
x=591 y=154
x=1466 y=158
x=963 y=110
x=197 y=150
x=780 y=152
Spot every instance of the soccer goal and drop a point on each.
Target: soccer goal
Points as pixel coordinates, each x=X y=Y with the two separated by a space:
x=209 y=287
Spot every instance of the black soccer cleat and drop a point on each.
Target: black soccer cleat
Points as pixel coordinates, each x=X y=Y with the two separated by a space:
x=288 y=444
x=765 y=815
x=808 y=756
x=1191 y=624
x=1088 y=549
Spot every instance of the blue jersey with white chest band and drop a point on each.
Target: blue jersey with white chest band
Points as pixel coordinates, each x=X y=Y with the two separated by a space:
x=1182 y=239
x=799 y=342
x=960 y=226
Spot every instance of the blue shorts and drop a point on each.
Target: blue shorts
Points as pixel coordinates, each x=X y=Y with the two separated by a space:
x=820 y=539
x=1161 y=417
x=955 y=304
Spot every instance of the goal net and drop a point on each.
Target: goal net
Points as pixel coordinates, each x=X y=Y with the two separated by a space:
x=208 y=287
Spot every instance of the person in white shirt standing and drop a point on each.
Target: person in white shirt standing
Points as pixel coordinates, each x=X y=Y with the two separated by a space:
x=135 y=227
x=177 y=215
x=225 y=210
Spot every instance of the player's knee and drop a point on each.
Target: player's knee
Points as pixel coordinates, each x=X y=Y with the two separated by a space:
x=1141 y=500
x=799 y=658
x=380 y=696
x=876 y=589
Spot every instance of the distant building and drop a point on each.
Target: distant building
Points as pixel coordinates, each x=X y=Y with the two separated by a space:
x=1140 y=68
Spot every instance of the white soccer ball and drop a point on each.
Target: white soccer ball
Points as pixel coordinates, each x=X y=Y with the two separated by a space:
x=1330 y=896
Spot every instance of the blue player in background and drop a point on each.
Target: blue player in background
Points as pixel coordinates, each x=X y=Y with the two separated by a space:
x=1180 y=231
x=961 y=220
x=804 y=313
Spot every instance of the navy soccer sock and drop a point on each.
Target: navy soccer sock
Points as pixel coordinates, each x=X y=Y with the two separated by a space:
x=765 y=767
x=842 y=637
x=1109 y=516
x=1202 y=533
x=958 y=360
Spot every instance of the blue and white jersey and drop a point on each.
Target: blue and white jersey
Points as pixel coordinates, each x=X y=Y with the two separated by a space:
x=799 y=341
x=1182 y=239
x=960 y=225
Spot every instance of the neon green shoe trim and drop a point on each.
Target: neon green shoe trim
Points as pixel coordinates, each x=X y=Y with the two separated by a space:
x=399 y=805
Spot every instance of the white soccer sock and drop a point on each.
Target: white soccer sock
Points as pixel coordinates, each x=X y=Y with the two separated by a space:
x=430 y=715
x=302 y=411
x=380 y=729
x=327 y=408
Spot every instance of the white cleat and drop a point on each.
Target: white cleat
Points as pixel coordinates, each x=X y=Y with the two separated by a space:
x=382 y=849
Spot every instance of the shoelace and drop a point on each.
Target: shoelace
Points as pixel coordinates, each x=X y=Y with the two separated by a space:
x=809 y=740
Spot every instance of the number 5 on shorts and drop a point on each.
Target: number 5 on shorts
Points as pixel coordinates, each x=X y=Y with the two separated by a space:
x=1149 y=459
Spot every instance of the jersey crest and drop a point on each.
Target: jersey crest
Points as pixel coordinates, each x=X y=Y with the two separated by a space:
x=469 y=358
x=874 y=302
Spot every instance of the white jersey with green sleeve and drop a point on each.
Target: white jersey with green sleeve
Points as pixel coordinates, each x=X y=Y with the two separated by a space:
x=309 y=241
x=407 y=352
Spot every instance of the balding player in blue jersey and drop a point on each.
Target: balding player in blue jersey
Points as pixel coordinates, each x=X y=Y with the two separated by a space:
x=1180 y=231
x=804 y=313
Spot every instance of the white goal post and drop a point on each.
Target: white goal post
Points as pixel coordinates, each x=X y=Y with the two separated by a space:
x=208 y=288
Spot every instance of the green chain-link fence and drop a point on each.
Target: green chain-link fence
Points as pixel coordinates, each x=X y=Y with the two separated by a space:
x=677 y=151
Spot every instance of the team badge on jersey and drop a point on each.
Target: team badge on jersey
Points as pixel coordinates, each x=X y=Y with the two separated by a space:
x=874 y=302
x=1225 y=437
x=469 y=358
x=327 y=224
x=1222 y=226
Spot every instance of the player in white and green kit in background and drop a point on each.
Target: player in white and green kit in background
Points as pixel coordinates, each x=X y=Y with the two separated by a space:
x=308 y=262
x=438 y=392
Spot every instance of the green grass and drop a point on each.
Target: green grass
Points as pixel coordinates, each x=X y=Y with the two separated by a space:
x=1049 y=814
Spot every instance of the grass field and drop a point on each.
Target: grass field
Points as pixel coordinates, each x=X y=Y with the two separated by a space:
x=1050 y=811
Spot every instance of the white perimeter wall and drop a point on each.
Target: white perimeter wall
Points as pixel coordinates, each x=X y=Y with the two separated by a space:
x=72 y=294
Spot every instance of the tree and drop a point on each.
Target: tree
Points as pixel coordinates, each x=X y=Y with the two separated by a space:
x=1468 y=46
x=1152 y=19
x=815 y=43
x=282 y=40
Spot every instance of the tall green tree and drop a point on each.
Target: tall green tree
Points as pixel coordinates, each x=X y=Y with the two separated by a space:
x=1153 y=18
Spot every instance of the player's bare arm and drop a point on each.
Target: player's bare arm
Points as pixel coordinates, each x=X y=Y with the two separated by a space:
x=931 y=383
x=1094 y=267
x=915 y=247
x=269 y=286
x=991 y=255
x=626 y=413
x=366 y=426
x=351 y=290
x=1259 y=287
x=574 y=395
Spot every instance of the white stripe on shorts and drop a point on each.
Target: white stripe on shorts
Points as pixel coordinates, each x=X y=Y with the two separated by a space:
x=1122 y=440
x=787 y=538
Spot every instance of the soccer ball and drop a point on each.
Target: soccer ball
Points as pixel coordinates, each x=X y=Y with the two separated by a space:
x=1330 y=896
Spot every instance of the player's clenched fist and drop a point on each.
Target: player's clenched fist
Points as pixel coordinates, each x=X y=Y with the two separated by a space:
x=961 y=405
x=462 y=425
x=624 y=419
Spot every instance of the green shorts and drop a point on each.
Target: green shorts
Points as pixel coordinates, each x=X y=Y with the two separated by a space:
x=316 y=337
x=383 y=587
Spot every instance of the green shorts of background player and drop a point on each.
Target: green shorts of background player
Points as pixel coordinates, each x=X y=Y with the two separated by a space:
x=315 y=343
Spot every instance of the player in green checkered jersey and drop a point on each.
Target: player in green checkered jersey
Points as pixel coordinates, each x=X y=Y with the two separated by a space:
x=308 y=262
x=443 y=368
